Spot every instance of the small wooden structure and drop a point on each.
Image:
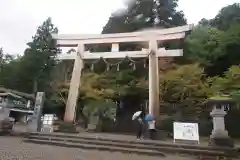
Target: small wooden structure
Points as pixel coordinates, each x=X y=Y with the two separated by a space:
x=151 y=37
x=15 y=104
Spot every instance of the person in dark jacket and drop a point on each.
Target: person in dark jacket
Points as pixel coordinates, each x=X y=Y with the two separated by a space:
x=140 y=128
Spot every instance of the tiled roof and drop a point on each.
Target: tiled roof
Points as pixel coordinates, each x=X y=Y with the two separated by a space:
x=17 y=93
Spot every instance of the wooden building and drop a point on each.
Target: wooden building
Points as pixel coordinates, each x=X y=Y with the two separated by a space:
x=17 y=105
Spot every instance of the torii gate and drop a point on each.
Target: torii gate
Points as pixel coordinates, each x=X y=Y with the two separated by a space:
x=152 y=37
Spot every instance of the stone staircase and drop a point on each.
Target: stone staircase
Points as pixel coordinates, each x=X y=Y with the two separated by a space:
x=145 y=147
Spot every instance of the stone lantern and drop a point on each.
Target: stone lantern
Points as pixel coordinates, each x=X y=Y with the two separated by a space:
x=219 y=136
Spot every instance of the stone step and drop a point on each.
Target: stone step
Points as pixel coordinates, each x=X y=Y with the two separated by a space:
x=97 y=147
x=165 y=149
x=142 y=142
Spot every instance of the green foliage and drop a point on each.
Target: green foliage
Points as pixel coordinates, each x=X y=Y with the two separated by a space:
x=215 y=42
x=144 y=14
x=230 y=45
x=228 y=83
x=227 y=16
x=95 y=86
x=8 y=69
x=102 y=109
x=184 y=85
x=215 y=50
x=35 y=65
x=202 y=45
x=39 y=58
x=204 y=22
x=5 y=58
x=236 y=96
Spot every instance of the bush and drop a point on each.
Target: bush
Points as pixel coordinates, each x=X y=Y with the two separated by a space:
x=6 y=125
x=66 y=127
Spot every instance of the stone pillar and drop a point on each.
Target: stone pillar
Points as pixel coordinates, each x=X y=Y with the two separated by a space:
x=74 y=86
x=35 y=122
x=219 y=136
x=1 y=113
x=153 y=80
x=4 y=109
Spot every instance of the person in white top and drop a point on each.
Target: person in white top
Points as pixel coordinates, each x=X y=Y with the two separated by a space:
x=151 y=128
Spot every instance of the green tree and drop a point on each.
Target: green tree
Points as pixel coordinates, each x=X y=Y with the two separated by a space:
x=5 y=58
x=214 y=49
x=204 y=22
x=9 y=65
x=38 y=60
x=227 y=16
x=185 y=85
x=230 y=45
x=228 y=83
x=145 y=13
x=202 y=46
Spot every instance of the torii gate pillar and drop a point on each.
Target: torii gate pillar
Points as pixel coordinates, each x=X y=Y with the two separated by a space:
x=74 y=86
x=153 y=80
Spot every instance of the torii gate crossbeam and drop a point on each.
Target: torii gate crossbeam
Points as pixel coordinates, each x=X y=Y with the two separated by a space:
x=152 y=37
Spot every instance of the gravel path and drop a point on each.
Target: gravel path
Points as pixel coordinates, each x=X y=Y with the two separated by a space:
x=14 y=149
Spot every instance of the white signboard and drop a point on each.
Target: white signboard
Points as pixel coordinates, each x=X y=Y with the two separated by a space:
x=151 y=124
x=186 y=131
x=48 y=119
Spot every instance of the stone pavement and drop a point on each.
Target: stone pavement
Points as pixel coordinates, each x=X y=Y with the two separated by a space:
x=12 y=148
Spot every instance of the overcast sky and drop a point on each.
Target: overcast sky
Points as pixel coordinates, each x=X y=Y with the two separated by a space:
x=19 y=19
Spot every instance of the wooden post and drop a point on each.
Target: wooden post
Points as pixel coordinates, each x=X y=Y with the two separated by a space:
x=158 y=89
x=153 y=80
x=74 y=86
